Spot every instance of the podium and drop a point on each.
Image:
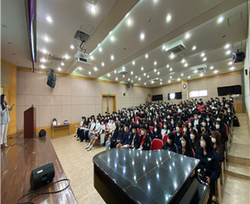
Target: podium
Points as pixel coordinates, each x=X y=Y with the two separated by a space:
x=30 y=123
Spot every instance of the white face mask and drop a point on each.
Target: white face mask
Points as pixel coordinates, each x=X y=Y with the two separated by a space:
x=142 y=132
x=165 y=126
x=172 y=122
x=203 y=124
x=199 y=116
x=155 y=129
x=177 y=129
x=155 y=123
x=213 y=140
x=202 y=143
x=195 y=117
x=208 y=119
x=133 y=131
x=228 y=111
x=184 y=129
x=192 y=136
x=183 y=143
x=218 y=119
x=217 y=126
x=189 y=124
x=168 y=116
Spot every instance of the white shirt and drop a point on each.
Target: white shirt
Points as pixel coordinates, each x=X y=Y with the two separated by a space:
x=165 y=132
x=112 y=126
x=102 y=127
x=196 y=122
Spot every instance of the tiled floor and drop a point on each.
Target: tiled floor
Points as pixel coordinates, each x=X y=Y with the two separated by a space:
x=78 y=166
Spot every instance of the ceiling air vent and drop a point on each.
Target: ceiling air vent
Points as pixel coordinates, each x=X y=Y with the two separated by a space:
x=176 y=47
x=202 y=69
x=55 y=57
x=122 y=72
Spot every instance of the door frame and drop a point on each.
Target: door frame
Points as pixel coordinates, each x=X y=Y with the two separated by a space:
x=114 y=103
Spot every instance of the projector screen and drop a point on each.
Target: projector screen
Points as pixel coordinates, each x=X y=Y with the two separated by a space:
x=157 y=97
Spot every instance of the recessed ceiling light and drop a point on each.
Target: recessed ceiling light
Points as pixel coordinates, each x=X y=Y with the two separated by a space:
x=89 y=73
x=144 y=74
x=168 y=18
x=216 y=71
x=155 y=63
x=136 y=77
x=163 y=47
x=42 y=60
x=142 y=68
x=202 y=54
x=152 y=82
x=171 y=69
x=160 y=83
x=182 y=61
x=123 y=76
x=128 y=79
x=182 y=74
x=158 y=73
x=95 y=68
x=194 y=48
x=227 y=46
x=189 y=77
x=169 y=81
x=103 y=64
x=66 y=56
x=91 y=57
x=228 y=52
x=127 y=14
x=112 y=57
x=148 y=76
x=93 y=9
x=230 y=63
x=178 y=79
x=129 y=22
x=59 y=68
x=167 y=65
x=123 y=68
x=139 y=79
x=100 y=49
x=112 y=38
x=116 y=78
x=187 y=35
x=115 y=71
x=46 y=38
x=49 y=19
x=157 y=78
x=146 y=56
x=201 y=74
x=212 y=67
x=195 y=71
x=220 y=19
x=44 y=51
x=132 y=81
x=72 y=47
x=62 y=63
x=170 y=77
x=172 y=56
x=42 y=66
x=132 y=73
x=160 y=79
x=233 y=68
x=155 y=70
x=145 y=83
x=80 y=68
x=204 y=59
x=142 y=36
x=186 y=64
x=133 y=62
x=108 y=75
x=99 y=45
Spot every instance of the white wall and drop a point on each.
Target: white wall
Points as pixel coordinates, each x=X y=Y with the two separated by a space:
x=70 y=99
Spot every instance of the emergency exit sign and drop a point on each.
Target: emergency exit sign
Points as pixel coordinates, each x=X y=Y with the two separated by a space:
x=109 y=94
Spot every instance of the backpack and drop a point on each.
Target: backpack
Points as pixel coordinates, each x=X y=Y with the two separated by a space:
x=236 y=122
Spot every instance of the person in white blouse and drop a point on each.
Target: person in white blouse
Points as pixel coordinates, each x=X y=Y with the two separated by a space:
x=165 y=130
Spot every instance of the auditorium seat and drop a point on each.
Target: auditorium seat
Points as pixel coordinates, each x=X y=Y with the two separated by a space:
x=139 y=132
x=182 y=128
x=174 y=131
x=165 y=139
x=157 y=144
x=186 y=122
x=151 y=128
x=192 y=118
x=160 y=125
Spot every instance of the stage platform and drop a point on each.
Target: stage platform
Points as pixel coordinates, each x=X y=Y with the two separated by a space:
x=17 y=162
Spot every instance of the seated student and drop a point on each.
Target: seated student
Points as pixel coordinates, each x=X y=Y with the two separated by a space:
x=196 y=120
x=145 y=141
x=115 y=133
x=165 y=130
x=93 y=132
x=209 y=163
x=194 y=140
x=138 y=122
x=156 y=133
x=110 y=130
x=183 y=116
x=130 y=140
x=218 y=148
x=127 y=135
x=100 y=130
x=78 y=129
x=219 y=126
x=186 y=147
x=172 y=125
x=85 y=130
x=209 y=123
x=204 y=128
x=117 y=138
x=177 y=137
x=190 y=113
x=156 y=122
x=186 y=130
x=170 y=145
x=190 y=125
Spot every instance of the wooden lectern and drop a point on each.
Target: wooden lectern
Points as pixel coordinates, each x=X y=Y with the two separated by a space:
x=30 y=123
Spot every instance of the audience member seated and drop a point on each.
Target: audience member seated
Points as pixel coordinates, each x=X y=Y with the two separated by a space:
x=186 y=147
x=170 y=145
x=218 y=148
x=117 y=138
x=78 y=129
x=145 y=140
x=156 y=133
x=177 y=138
x=194 y=140
x=111 y=134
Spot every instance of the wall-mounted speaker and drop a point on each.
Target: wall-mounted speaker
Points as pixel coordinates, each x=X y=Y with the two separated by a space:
x=246 y=71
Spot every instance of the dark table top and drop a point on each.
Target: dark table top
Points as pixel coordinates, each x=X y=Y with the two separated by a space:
x=19 y=160
x=146 y=176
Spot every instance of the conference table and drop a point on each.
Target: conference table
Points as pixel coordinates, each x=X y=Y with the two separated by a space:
x=17 y=162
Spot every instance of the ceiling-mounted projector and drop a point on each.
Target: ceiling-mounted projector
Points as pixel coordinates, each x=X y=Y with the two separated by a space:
x=238 y=56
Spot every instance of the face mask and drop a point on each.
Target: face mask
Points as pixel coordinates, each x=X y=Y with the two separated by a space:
x=228 y=111
x=202 y=143
x=142 y=132
x=213 y=140
x=226 y=106
x=195 y=117
x=218 y=119
x=192 y=137
x=217 y=126
x=189 y=124
x=125 y=129
x=149 y=119
x=177 y=129
x=183 y=143
x=155 y=129
x=199 y=116
x=165 y=126
x=137 y=123
x=208 y=119
x=230 y=99
x=133 y=131
x=184 y=129
x=168 y=116
x=172 y=122
x=203 y=124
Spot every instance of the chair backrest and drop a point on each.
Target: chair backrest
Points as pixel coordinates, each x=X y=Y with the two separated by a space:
x=186 y=122
x=192 y=118
x=182 y=128
x=174 y=131
x=193 y=153
x=139 y=132
x=151 y=128
x=165 y=139
x=160 y=125
x=226 y=128
x=157 y=144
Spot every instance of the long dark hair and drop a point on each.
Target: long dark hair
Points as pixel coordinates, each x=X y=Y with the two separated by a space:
x=218 y=142
x=188 y=146
x=209 y=145
x=2 y=103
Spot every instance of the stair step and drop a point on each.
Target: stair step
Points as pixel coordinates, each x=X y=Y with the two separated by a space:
x=239 y=160
x=238 y=170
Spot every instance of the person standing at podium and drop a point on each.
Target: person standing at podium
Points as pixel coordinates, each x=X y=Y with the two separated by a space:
x=5 y=119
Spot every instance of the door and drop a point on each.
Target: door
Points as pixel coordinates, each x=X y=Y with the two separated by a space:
x=108 y=103
x=104 y=105
x=111 y=104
